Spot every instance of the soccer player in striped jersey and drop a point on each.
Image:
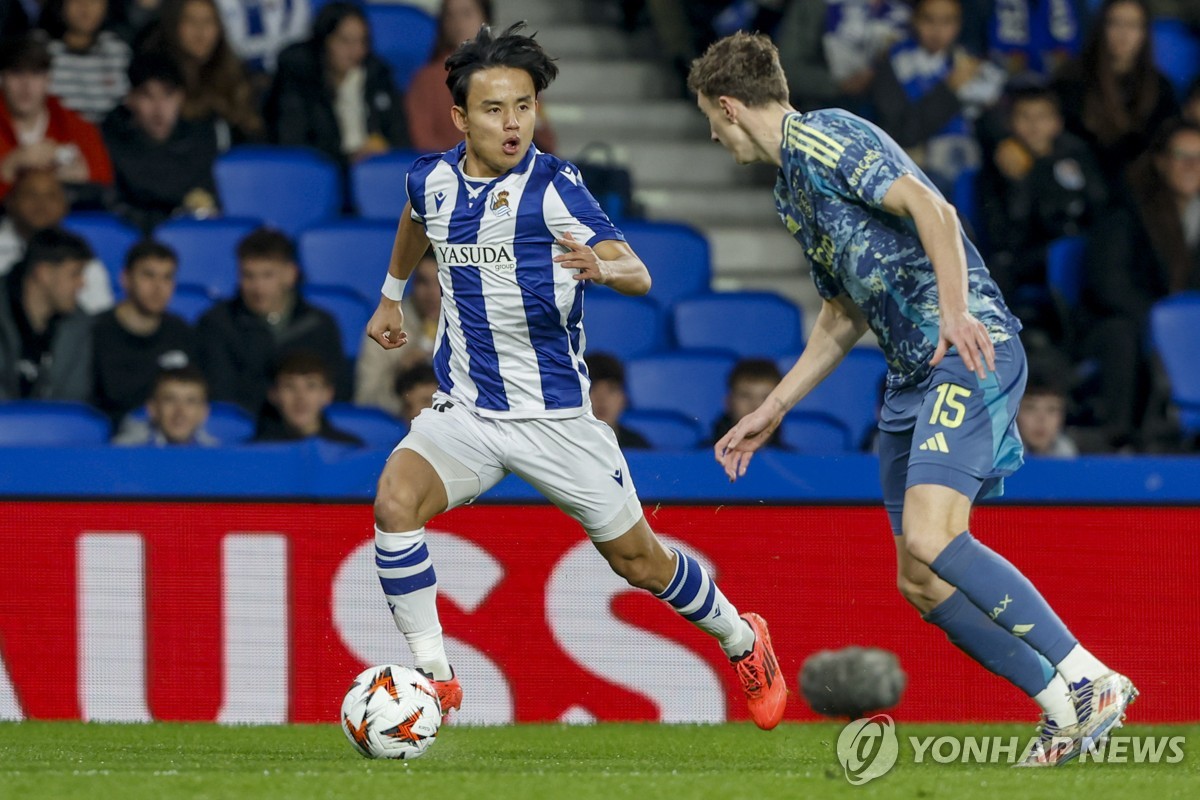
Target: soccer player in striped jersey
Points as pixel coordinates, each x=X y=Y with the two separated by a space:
x=516 y=235
x=888 y=253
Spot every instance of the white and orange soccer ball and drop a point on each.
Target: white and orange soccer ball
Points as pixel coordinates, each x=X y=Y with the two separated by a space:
x=391 y=712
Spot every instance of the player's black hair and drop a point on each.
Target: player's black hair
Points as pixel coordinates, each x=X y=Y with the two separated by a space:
x=754 y=369
x=189 y=373
x=605 y=367
x=510 y=49
x=415 y=376
x=149 y=248
x=49 y=246
x=267 y=243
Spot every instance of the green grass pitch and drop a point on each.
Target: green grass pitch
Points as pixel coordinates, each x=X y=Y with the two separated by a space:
x=92 y=761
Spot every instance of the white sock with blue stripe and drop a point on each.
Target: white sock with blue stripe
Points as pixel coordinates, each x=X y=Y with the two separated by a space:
x=410 y=586
x=694 y=594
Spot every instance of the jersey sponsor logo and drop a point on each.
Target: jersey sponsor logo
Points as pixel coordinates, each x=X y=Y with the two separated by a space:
x=498 y=258
x=821 y=252
x=500 y=205
x=865 y=164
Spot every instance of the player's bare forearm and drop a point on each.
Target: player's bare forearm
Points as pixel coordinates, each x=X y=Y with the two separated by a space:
x=411 y=243
x=838 y=328
x=610 y=263
x=937 y=227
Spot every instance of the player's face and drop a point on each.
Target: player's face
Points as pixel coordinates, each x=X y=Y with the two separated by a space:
x=301 y=399
x=727 y=132
x=1040 y=421
x=608 y=401
x=498 y=121
x=266 y=284
x=149 y=284
x=1180 y=166
x=746 y=396
x=417 y=399
x=1037 y=123
x=178 y=409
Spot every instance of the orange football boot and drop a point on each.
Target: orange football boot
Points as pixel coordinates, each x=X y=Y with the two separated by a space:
x=449 y=692
x=763 y=683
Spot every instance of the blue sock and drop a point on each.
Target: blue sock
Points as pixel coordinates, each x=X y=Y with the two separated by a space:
x=1008 y=656
x=694 y=595
x=1004 y=594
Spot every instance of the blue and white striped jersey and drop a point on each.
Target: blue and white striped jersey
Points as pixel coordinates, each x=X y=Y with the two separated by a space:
x=510 y=337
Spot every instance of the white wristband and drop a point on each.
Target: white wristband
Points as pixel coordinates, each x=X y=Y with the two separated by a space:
x=393 y=288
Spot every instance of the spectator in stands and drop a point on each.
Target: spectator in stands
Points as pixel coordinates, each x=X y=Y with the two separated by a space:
x=136 y=340
x=1029 y=39
x=37 y=200
x=131 y=18
x=216 y=86
x=36 y=130
x=750 y=381
x=855 y=35
x=301 y=391
x=176 y=412
x=163 y=163
x=415 y=388
x=1043 y=415
x=258 y=30
x=1112 y=95
x=377 y=369
x=609 y=400
x=243 y=339
x=334 y=94
x=1041 y=184
x=45 y=338
x=1137 y=255
x=930 y=90
x=87 y=63
x=431 y=128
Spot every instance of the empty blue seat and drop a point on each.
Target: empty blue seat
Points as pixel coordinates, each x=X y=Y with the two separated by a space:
x=109 y=237
x=374 y=426
x=207 y=250
x=1173 y=326
x=666 y=430
x=229 y=423
x=692 y=384
x=46 y=423
x=746 y=323
x=1065 y=266
x=1176 y=53
x=290 y=188
x=349 y=310
x=815 y=433
x=403 y=36
x=353 y=254
x=624 y=326
x=378 y=187
x=190 y=302
x=850 y=394
x=677 y=256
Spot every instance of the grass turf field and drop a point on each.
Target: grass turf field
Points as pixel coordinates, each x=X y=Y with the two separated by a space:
x=54 y=760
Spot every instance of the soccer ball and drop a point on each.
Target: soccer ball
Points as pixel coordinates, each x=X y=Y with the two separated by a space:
x=391 y=712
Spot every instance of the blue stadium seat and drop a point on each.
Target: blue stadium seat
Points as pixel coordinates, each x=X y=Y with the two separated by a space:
x=403 y=36
x=207 y=250
x=109 y=237
x=746 y=323
x=625 y=326
x=377 y=184
x=1065 y=268
x=666 y=430
x=290 y=188
x=677 y=256
x=190 y=302
x=1176 y=53
x=690 y=383
x=374 y=426
x=46 y=423
x=229 y=423
x=1173 y=326
x=353 y=254
x=349 y=310
x=815 y=433
x=851 y=392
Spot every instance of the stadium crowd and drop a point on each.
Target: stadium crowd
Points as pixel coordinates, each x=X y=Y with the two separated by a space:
x=1046 y=121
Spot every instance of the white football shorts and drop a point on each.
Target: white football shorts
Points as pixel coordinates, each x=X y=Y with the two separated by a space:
x=574 y=463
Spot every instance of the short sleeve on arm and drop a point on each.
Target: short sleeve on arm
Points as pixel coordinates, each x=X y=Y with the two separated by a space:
x=571 y=207
x=414 y=184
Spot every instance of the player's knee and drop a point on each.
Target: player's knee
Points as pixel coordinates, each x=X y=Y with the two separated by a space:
x=397 y=506
x=918 y=591
x=925 y=544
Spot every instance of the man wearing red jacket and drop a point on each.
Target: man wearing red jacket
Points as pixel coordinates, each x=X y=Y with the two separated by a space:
x=36 y=131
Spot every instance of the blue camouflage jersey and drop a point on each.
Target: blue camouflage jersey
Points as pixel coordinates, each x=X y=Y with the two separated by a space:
x=836 y=169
